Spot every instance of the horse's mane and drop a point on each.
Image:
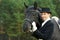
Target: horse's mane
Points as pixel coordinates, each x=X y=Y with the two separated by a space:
x=40 y=22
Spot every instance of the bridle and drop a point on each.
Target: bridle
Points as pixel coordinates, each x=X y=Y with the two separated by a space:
x=30 y=21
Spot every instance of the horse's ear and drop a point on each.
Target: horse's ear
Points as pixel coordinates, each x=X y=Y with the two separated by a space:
x=25 y=5
x=35 y=5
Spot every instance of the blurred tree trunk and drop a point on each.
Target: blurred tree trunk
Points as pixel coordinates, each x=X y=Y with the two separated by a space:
x=4 y=37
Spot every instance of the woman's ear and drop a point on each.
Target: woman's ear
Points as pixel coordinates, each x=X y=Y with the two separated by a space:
x=49 y=14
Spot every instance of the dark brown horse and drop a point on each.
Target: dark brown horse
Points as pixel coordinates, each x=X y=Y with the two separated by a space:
x=32 y=13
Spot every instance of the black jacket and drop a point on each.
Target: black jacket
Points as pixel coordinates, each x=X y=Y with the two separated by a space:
x=44 y=32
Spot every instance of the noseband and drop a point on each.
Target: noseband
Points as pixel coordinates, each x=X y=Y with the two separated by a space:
x=26 y=19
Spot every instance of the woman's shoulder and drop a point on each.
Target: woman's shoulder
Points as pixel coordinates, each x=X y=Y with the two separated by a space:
x=50 y=22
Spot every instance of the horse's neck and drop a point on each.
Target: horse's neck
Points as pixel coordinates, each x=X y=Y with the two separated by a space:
x=38 y=24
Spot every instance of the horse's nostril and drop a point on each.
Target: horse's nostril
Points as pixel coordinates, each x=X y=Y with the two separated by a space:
x=26 y=26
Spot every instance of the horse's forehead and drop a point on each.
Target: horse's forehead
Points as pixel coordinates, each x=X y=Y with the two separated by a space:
x=31 y=11
x=30 y=8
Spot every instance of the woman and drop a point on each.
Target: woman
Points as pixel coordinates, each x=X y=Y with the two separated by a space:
x=46 y=29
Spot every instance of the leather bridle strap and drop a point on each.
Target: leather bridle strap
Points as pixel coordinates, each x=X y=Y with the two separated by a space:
x=28 y=20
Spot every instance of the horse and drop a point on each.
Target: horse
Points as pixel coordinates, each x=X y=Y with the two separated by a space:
x=32 y=13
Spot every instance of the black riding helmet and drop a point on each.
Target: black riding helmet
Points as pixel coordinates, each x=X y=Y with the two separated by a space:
x=45 y=10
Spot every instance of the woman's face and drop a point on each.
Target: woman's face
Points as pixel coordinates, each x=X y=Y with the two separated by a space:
x=45 y=15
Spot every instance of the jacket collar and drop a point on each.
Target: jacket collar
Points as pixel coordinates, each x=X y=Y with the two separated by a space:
x=45 y=21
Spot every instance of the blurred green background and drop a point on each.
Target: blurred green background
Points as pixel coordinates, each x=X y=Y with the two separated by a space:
x=12 y=17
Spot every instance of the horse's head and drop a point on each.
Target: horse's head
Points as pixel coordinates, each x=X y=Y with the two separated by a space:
x=31 y=14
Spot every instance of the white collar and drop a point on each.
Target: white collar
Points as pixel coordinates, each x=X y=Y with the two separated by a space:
x=45 y=21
